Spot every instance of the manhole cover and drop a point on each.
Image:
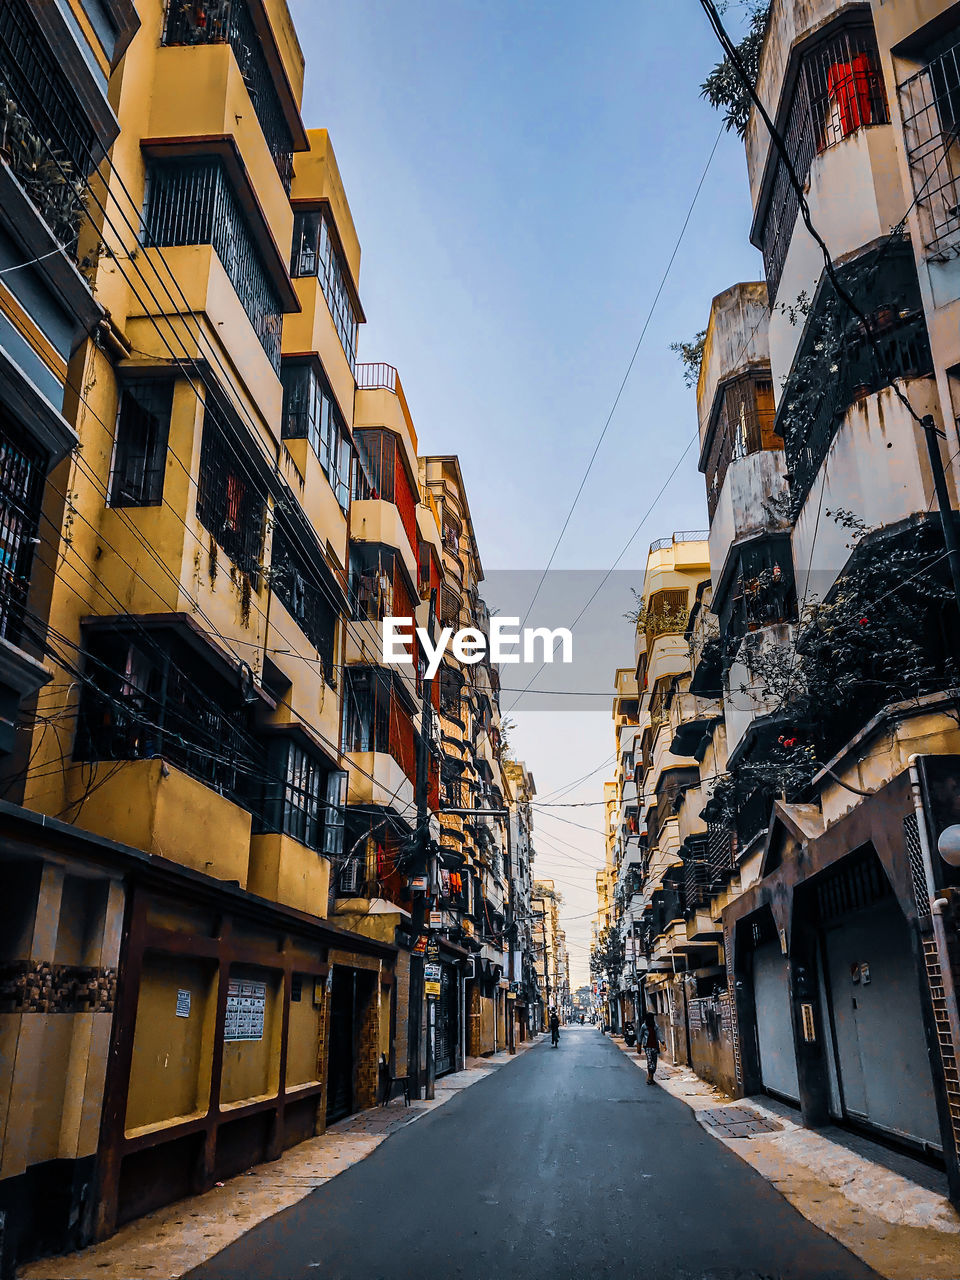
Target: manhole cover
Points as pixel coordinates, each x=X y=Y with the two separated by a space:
x=738 y=1122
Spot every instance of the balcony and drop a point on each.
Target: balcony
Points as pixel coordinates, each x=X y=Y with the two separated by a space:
x=810 y=417
x=378 y=720
x=381 y=476
x=837 y=90
x=690 y=717
x=200 y=22
x=193 y=202
x=46 y=139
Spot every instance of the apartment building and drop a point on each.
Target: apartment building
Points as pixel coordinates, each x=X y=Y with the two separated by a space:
x=811 y=908
x=219 y=806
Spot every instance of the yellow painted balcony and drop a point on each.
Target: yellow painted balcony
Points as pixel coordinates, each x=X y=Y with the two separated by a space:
x=217 y=105
x=154 y=806
x=284 y=870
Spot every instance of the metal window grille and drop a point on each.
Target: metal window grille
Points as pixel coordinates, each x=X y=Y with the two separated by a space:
x=720 y=853
x=918 y=872
x=856 y=882
x=309 y=600
x=143 y=427
x=449 y=607
x=142 y=703
x=667 y=613
x=763 y=590
x=315 y=253
x=366 y=709
x=930 y=105
x=839 y=89
x=381 y=474
x=22 y=472
x=743 y=424
x=231 y=501
x=890 y=298
x=193 y=22
x=192 y=202
x=378 y=584
x=51 y=147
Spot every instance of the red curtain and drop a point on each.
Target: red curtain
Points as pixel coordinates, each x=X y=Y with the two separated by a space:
x=849 y=87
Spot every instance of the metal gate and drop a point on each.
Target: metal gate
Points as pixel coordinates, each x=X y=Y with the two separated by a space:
x=778 y=1059
x=881 y=1070
x=447 y=1022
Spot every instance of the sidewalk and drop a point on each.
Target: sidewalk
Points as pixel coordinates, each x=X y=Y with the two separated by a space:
x=165 y=1244
x=888 y=1209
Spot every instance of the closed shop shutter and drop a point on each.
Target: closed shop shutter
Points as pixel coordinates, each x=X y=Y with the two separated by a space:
x=778 y=1059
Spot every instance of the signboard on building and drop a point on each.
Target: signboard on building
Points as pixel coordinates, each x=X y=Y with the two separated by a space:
x=420 y=946
x=246 y=1008
x=436 y=919
x=183 y=1004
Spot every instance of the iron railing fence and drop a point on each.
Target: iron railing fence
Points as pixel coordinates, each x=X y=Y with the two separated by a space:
x=194 y=22
x=22 y=473
x=839 y=89
x=192 y=202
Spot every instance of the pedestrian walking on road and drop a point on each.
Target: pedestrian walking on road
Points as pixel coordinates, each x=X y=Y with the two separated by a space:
x=554 y=1028
x=650 y=1043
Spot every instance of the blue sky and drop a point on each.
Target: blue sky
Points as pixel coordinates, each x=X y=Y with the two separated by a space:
x=518 y=173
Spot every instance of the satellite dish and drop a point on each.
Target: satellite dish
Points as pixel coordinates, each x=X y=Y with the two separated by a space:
x=949 y=845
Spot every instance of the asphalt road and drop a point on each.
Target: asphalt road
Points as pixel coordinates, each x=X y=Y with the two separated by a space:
x=560 y=1164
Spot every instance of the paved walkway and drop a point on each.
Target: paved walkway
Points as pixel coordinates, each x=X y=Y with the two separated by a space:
x=564 y=1165
x=167 y=1243
x=890 y=1210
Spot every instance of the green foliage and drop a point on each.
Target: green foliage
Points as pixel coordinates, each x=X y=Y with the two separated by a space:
x=606 y=958
x=881 y=636
x=723 y=88
x=691 y=357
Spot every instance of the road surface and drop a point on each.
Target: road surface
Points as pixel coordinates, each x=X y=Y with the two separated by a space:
x=560 y=1164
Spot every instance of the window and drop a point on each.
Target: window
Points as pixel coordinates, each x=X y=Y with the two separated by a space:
x=382 y=475
x=760 y=592
x=231 y=500
x=838 y=90
x=378 y=584
x=310 y=412
x=143 y=426
x=193 y=202
x=374 y=718
x=308 y=594
x=930 y=102
x=307 y=799
x=742 y=424
x=145 y=698
x=316 y=253
x=22 y=473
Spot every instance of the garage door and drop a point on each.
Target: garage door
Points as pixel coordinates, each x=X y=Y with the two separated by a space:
x=778 y=1060
x=881 y=1054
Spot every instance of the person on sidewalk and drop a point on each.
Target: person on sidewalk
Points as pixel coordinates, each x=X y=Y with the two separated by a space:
x=650 y=1042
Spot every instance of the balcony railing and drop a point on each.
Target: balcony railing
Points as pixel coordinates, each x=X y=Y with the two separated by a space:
x=686 y=535
x=21 y=492
x=193 y=22
x=838 y=90
x=374 y=719
x=930 y=103
x=192 y=202
x=377 y=377
x=44 y=136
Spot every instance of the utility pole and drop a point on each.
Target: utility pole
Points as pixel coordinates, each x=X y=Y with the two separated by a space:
x=427 y=858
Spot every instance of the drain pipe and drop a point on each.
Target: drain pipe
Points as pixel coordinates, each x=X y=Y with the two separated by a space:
x=937 y=905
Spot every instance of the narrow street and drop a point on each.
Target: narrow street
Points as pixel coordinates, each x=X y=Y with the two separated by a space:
x=576 y=1169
